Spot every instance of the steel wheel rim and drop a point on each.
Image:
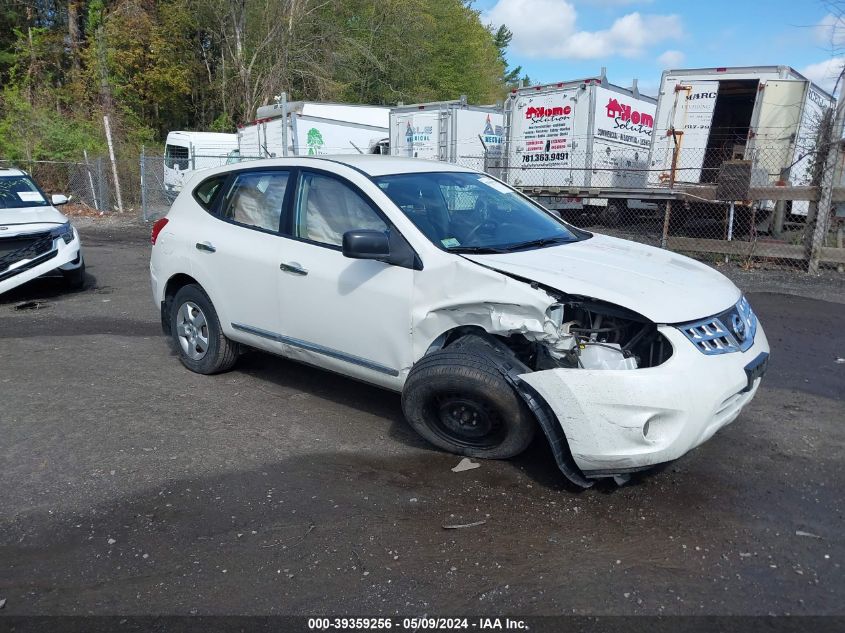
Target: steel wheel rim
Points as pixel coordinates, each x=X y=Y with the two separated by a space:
x=467 y=422
x=192 y=330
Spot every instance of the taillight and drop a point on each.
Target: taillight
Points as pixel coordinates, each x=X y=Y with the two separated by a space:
x=158 y=225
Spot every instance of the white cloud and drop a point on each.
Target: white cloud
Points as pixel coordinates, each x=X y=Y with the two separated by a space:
x=830 y=31
x=671 y=59
x=612 y=3
x=825 y=73
x=547 y=28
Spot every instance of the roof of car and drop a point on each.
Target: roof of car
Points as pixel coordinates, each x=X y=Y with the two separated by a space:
x=11 y=171
x=370 y=164
x=377 y=165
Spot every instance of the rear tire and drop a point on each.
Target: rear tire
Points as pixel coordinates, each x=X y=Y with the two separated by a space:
x=460 y=401
x=197 y=335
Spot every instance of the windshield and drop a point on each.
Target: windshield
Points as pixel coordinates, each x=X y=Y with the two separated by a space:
x=469 y=212
x=17 y=192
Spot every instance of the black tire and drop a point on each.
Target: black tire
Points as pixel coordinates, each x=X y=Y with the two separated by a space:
x=450 y=389
x=611 y=215
x=75 y=279
x=220 y=354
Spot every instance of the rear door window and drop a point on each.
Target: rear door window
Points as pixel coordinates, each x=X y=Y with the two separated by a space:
x=256 y=198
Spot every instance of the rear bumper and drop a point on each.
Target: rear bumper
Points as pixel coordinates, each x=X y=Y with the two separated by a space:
x=61 y=256
x=621 y=420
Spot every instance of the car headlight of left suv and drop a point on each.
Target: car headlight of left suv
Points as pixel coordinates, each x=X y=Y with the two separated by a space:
x=64 y=231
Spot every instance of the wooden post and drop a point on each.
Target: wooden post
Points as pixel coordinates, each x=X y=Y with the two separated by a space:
x=668 y=213
x=143 y=184
x=779 y=214
x=820 y=222
x=284 y=104
x=113 y=163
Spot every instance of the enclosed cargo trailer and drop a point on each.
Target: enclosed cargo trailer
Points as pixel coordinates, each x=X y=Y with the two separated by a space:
x=451 y=131
x=579 y=134
x=768 y=115
x=307 y=129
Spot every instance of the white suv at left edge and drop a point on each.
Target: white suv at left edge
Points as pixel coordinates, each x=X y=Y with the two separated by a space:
x=35 y=237
x=490 y=315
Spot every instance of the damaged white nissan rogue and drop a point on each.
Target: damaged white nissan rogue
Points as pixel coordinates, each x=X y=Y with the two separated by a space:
x=490 y=315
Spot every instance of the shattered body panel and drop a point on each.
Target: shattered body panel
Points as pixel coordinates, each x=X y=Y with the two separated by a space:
x=621 y=420
x=459 y=293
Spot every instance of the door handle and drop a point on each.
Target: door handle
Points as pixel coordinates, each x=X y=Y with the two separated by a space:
x=293 y=267
x=208 y=247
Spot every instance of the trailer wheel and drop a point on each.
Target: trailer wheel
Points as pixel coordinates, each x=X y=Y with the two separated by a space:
x=459 y=401
x=611 y=215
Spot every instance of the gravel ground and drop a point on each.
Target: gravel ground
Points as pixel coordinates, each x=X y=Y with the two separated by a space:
x=131 y=486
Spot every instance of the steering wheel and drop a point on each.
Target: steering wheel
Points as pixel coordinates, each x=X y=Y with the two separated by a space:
x=481 y=209
x=490 y=225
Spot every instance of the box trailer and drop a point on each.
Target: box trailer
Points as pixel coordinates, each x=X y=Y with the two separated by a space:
x=186 y=152
x=579 y=134
x=450 y=131
x=706 y=117
x=305 y=129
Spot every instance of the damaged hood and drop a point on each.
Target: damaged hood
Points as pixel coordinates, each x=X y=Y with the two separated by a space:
x=28 y=220
x=662 y=286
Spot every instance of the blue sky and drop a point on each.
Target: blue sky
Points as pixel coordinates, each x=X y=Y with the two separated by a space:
x=558 y=40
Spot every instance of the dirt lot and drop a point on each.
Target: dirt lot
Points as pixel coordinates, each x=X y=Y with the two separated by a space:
x=131 y=486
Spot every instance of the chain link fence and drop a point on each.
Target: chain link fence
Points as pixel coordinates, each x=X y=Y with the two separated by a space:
x=719 y=205
x=88 y=183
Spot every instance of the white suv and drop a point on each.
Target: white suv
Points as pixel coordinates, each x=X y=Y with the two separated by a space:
x=35 y=237
x=490 y=315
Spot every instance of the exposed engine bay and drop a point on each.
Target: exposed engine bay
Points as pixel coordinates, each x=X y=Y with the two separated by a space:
x=592 y=335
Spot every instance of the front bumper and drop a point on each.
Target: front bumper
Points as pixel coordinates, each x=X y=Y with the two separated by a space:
x=616 y=421
x=64 y=256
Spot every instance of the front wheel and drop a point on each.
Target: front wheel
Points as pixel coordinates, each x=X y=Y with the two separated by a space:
x=460 y=402
x=75 y=279
x=197 y=335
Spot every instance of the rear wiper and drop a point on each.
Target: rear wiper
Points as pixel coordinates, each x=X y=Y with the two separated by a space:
x=545 y=241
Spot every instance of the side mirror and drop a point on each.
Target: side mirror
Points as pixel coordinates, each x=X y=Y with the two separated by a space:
x=58 y=199
x=366 y=244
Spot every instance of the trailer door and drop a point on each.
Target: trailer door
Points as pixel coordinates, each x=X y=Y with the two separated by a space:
x=690 y=117
x=816 y=104
x=774 y=124
x=417 y=133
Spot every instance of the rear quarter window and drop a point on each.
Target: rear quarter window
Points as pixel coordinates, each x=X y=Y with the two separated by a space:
x=206 y=192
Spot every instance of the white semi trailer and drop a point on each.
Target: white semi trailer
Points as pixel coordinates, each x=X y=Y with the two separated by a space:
x=768 y=115
x=579 y=135
x=450 y=131
x=303 y=128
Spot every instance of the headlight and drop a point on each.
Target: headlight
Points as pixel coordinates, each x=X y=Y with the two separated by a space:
x=730 y=331
x=65 y=231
